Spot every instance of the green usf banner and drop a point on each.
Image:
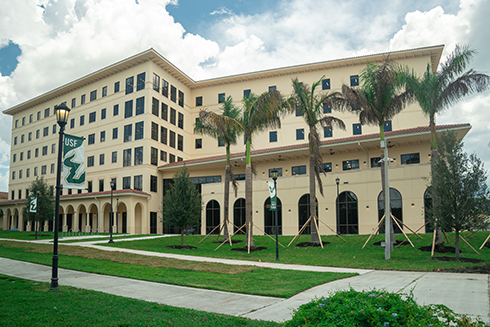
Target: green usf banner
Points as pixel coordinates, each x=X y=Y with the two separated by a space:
x=73 y=162
x=33 y=203
x=272 y=191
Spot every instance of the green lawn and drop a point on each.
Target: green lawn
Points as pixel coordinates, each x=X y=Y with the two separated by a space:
x=338 y=253
x=32 y=304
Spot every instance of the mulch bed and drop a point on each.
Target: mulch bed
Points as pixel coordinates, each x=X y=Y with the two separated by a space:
x=306 y=244
x=186 y=247
x=487 y=245
x=460 y=259
x=485 y=269
x=232 y=241
x=258 y=248
x=440 y=249
x=394 y=244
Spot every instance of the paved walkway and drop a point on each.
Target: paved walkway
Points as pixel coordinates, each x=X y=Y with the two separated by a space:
x=463 y=293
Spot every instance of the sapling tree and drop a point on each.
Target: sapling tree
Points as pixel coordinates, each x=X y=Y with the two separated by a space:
x=45 y=202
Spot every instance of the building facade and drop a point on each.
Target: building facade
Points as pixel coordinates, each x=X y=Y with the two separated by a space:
x=138 y=115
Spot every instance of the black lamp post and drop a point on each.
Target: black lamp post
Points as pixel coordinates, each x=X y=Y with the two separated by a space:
x=337 y=181
x=274 y=173
x=117 y=213
x=111 y=218
x=62 y=112
x=37 y=213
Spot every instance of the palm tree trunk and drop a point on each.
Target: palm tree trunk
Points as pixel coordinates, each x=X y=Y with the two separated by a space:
x=226 y=203
x=314 y=237
x=433 y=156
x=383 y=185
x=248 y=199
x=456 y=244
x=182 y=236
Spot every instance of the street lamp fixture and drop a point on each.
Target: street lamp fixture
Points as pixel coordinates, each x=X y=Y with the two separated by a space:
x=337 y=181
x=274 y=174
x=62 y=112
x=111 y=218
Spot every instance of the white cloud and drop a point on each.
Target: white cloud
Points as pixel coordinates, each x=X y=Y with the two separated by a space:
x=221 y=11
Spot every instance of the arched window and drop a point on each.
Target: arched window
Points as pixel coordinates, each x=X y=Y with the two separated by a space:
x=429 y=228
x=270 y=218
x=347 y=215
x=396 y=209
x=212 y=217
x=304 y=213
x=239 y=215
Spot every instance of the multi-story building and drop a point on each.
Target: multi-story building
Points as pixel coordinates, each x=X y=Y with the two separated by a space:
x=138 y=115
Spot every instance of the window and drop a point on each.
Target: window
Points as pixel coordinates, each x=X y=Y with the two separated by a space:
x=44 y=170
x=114 y=133
x=127 y=157
x=298 y=170
x=140 y=106
x=172 y=116
x=101 y=185
x=354 y=80
x=139 y=130
x=327 y=132
x=36 y=153
x=126 y=183
x=15 y=139
x=35 y=171
x=53 y=148
x=172 y=139
x=156 y=82
x=387 y=126
x=93 y=95
x=38 y=115
x=164 y=88
x=154 y=131
x=20 y=194
x=114 y=156
x=181 y=121
x=101 y=159
x=173 y=93
x=14 y=157
x=103 y=113
x=163 y=135
x=299 y=112
x=300 y=134
x=181 y=99
x=13 y=193
x=153 y=183
x=22 y=138
x=115 y=110
x=90 y=161
x=104 y=91
x=180 y=142
x=164 y=111
x=37 y=136
x=327 y=167
x=91 y=117
x=221 y=97
x=273 y=136
x=129 y=84
x=163 y=155
x=20 y=177
x=246 y=93
x=356 y=129
x=89 y=186
x=128 y=133
x=141 y=81
x=138 y=183
x=91 y=139
x=198 y=144
x=279 y=173
x=116 y=87
x=350 y=164
x=23 y=121
x=221 y=142
x=28 y=173
x=72 y=123
x=154 y=156
x=128 y=109
x=155 y=106
x=82 y=120
x=171 y=158
x=54 y=132
x=199 y=101
x=326 y=84
x=21 y=156
x=46 y=113
x=412 y=158
x=272 y=88
x=46 y=131
x=102 y=136
x=138 y=156
x=327 y=109
x=82 y=99
x=16 y=123
x=45 y=150
x=375 y=162
x=28 y=155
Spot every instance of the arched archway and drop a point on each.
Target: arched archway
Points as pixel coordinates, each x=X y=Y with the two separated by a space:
x=212 y=216
x=70 y=221
x=239 y=215
x=429 y=228
x=396 y=208
x=138 y=218
x=82 y=218
x=347 y=215
x=304 y=212
x=269 y=217
x=121 y=221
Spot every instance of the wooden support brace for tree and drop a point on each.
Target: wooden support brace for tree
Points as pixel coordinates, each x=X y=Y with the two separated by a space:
x=401 y=222
x=374 y=231
x=332 y=230
x=412 y=234
x=396 y=222
x=318 y=231
x=300 y=231
x=484 y=242
x=468 y=244
x=210 y=233
x=433 y=242
x=266 y=234
x=445 y=235
x=229 y=238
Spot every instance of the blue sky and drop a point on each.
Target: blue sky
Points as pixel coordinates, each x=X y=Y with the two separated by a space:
x=47 y=43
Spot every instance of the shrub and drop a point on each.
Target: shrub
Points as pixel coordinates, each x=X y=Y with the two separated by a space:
x=374 y=308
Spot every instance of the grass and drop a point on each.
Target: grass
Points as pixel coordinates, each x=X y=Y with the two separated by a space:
x=103 y=237
x=32 y=304
x=338 y=253
x=26 y=235
x=231 y=278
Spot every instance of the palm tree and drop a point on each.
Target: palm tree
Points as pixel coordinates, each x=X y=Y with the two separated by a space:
x=226 y=130
x=259 y=114
x=310 y=105
x=380 y=97
x=436 y=91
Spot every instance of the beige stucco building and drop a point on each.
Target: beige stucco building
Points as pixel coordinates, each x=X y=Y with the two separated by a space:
x=138 y=114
